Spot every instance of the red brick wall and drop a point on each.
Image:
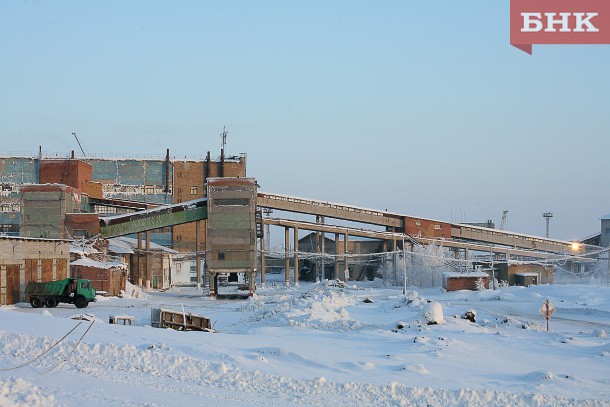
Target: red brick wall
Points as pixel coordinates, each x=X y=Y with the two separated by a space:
x=463 y=283
x=110 y=280
x=73 y=173
x=427 y=228
x=89 y=222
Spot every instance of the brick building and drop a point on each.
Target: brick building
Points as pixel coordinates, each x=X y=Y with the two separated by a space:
x=29 y=259
x=475 y=280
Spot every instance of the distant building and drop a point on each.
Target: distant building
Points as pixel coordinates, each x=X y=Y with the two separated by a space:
x=154 y=181
x=160 y=258
x=604 y=239
x=363 y=268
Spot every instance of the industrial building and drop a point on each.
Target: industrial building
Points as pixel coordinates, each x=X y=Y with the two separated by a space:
x=102 y=185
x=604 y=238
x=364 y=268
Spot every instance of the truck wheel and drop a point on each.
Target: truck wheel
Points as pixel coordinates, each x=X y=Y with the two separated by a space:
x=36 y=302
x=80 y=302
x=50 y=302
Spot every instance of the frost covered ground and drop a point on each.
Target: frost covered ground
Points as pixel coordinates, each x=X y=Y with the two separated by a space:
x=317 y=345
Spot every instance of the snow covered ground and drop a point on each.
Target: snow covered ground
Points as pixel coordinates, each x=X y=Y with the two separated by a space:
x=317 y=344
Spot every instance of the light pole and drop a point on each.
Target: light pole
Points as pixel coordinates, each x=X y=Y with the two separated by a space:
x=547 y=216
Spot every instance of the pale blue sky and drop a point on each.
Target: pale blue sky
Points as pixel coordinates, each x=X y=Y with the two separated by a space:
x=418 y=107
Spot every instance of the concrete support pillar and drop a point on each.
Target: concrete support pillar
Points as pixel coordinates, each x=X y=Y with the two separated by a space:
x=394 y=260
x=318 y=251
x=345 y=250
x=197 y=255
x=251 y=283
x=322 y=250
x=148 y=268
x=337 y=271
x=287 y=256
x=384 y=263
x=466 y=254
x=138 y=277
x=263 y=265
x=296 y=255
x=213 y=284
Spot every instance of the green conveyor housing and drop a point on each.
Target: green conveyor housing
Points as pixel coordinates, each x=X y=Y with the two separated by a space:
x=164 y=216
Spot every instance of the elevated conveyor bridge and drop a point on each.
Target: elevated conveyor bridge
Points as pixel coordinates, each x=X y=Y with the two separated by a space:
x=421 y=228
x=147 y=217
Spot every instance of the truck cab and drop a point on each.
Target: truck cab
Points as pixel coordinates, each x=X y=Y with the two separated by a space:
x=84 y=288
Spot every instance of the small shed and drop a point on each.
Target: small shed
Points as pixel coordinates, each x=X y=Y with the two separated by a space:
x=526 y=279
x=476 y=280
x=107 y=276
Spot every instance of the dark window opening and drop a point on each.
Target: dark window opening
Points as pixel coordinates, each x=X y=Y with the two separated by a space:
x=232 y=202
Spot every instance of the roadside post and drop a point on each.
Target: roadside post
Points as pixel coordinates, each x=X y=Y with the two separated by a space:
x=547 y=309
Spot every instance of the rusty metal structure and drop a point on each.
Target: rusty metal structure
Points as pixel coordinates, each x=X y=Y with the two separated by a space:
x=180 y=321
x=231 y=230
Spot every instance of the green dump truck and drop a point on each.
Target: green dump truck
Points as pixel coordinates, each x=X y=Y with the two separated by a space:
x=68 y=290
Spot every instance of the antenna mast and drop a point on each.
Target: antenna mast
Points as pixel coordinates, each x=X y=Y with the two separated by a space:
x=223 y=135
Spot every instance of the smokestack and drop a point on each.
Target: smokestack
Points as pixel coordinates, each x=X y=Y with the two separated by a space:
x=222 y=162
x=39 y=161
x=167 y=172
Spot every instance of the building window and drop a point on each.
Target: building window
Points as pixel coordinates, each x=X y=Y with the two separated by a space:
x=607 y=231
x=79 y=233
x=194 y=190
x=231 y=202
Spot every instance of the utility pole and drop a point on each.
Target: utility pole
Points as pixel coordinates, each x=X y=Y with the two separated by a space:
x=547 y=216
